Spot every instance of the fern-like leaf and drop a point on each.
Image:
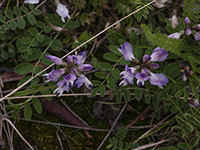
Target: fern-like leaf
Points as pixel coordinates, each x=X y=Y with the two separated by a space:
x=83 y=38
x=170 y=44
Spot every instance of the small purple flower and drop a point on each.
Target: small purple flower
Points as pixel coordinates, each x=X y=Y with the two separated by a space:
x=159 y=54
x=141 y=77
x=176 y=35
x=188 y=31
x=146 y=58
x=158 y=79
x=184 y=77
x=128 y=74
x=154 y=66
x=80 y=59
x=123 y=83
x=197 y=26
x=70 y=59
x=195 y=103
x=126 y=50
x=197 y=36
x=64 y=85
x=73 y=70
x=85 y=67
x=63 y=12
x=54 y=75
x=187 y=21
x=83 y=80
x=31 y=1
x=55 y=59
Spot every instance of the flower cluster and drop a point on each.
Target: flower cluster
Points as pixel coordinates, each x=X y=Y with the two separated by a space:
x=74 y=68
x=188 y=31
x=140 y=72
x=185 y=71
x=62 y=10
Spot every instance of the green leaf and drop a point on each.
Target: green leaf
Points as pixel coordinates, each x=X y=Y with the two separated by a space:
x=56 y=45
x=27 y=112
x=110 y=57
x=9 y=14
x=137 y=52
x=40 y=24
x=25 y=40
x=21 y=23
x=24 y=9
x=47 y=29
x=111 y=83
x=33 y=31
x=147 y=97
x=31 y=19
x=156 y=101
x=4 y=55
x=119 y=97
x=15 y=113
x=114 y=49
x=70 y=25
x=100 y=75
x=127 y=95
x=138 y=94
x=179 y=93
x=183 y=145
x=11 y=51
x=40 y=38
x=6 y=26
x=2 y=18
x=31 y=6
x=194 y=142
x=179 y=27
x=23 y=68
x=161 y=17
x=134 y=39
x=116 y=73
x=105 y=66
x=157 y=114
x=54 y=19
x=102 y=90
x=37 y=105
x=17 y=11
x=37 y=12
x=29 y=51
x=13 y=25
x=95 y=91
x=186 y=95
x=23 y=49
x=194 y=90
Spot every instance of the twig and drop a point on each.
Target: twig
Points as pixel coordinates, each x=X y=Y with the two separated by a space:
x=153 y=144
x=60 y=141
x=18 y=132
x=15 y=90
x=112 y=126
x=139 y=117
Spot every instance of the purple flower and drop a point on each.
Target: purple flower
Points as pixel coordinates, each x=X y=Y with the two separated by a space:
x=83 y=80
x=188 y=31
x=197 y=26
x=128 y=74
x=184 y=77
x=141 y=77
x=80 y=59
x=64 y=85
x=197 y=36
x=123 y=83
x=154 y=66
x=126 y=50
x=146 y=58
x=158 y=79
x=63 y=12
x=195 y=103
x=187 y=21
x=176 y=35
x=31 y=1
x=54 y=75
x=70 y=59
x=73 y=70
x=85 y=67
x=159 y=54
x=55 y=59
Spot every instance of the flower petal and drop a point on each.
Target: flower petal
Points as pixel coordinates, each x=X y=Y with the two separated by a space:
x=159 y=54
x=62 y=11
x=158 y=79
x=55 y=59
